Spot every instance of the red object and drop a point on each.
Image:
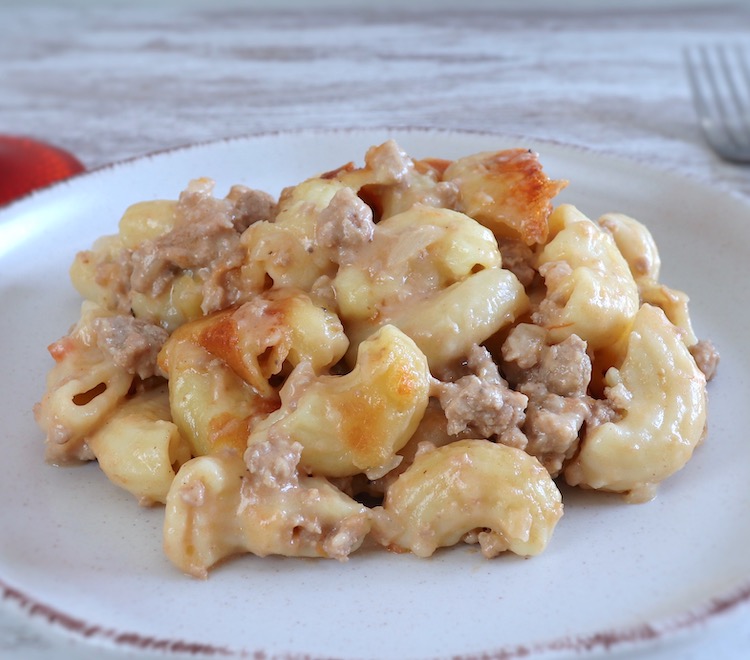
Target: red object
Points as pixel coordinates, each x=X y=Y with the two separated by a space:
x=27 y=164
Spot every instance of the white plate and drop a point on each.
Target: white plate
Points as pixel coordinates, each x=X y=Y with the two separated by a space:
x=79 y=556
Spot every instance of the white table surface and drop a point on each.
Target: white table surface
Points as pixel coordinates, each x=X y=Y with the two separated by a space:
x=112 y=80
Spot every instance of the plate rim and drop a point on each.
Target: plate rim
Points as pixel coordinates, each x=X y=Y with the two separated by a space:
x=624 y=159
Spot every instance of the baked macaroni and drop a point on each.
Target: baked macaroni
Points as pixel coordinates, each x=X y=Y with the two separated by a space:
x=409 y=352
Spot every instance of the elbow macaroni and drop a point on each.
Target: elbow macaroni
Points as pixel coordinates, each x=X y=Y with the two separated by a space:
x=257 y=366
x=501 y=493
x=661 y=396
x=139 y=448
x=590 y=289
x=356 y=423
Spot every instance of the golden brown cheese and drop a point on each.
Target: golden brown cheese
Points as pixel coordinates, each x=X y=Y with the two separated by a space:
x=506 y=191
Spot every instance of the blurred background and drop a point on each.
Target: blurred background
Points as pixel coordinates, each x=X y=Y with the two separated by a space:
x=111 y=80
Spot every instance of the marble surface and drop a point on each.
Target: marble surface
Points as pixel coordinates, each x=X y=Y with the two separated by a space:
x=115 y=80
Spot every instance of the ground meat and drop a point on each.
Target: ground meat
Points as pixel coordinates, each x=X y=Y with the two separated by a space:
x=491 y=544
x=194 y=493
x=481 y=363
x=486 y=408
x=272 y=465
x=391 y=182
x=482 y=403
x=113 y=274
x=553 y=272
x=555 y=379
x=552 y=426
x=344 y=226
x=600 y=412
x=303 y=510
x=250 y=206
x=131 y=344
x=706 y=357
x=524 y=345
x=393 y=166
x=346 y=536
x=205 y=239
x=618 y=397
x=565 y=368
x=389 y=162
x=518 y=258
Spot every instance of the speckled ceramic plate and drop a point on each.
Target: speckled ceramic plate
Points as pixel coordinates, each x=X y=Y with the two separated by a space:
x=78 y=557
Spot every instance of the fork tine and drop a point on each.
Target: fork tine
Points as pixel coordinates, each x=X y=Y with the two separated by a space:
x=696 y=86
x=705 y=94
x=743 y=70
x=735 y=117
x=719 y=81
x=718 y=117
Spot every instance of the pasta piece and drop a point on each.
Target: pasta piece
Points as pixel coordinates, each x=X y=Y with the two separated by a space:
x=411 y=256
x=274 y=256
x=356 y=422
x=637 y=245
x=590 y=290
x=147 y=221
x=300 y=205
x=179 y=304
x=102 y=274
x=674 y=304
x=219 y=366
x=506 y=191
x=268 y=336
x=660 y=395
x=285 y=251
x=139 y=448
x=83 y=388
x=447 y=325
x=211 y=405
x=392 y=182
x=273 y=333
x=219 y=506
x=497 y=494
x=436 y=275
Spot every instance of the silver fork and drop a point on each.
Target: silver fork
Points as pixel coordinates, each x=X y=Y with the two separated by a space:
x=720 y=82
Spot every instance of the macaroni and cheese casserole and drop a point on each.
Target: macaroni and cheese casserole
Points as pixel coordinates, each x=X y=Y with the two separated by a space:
x=407 y=353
